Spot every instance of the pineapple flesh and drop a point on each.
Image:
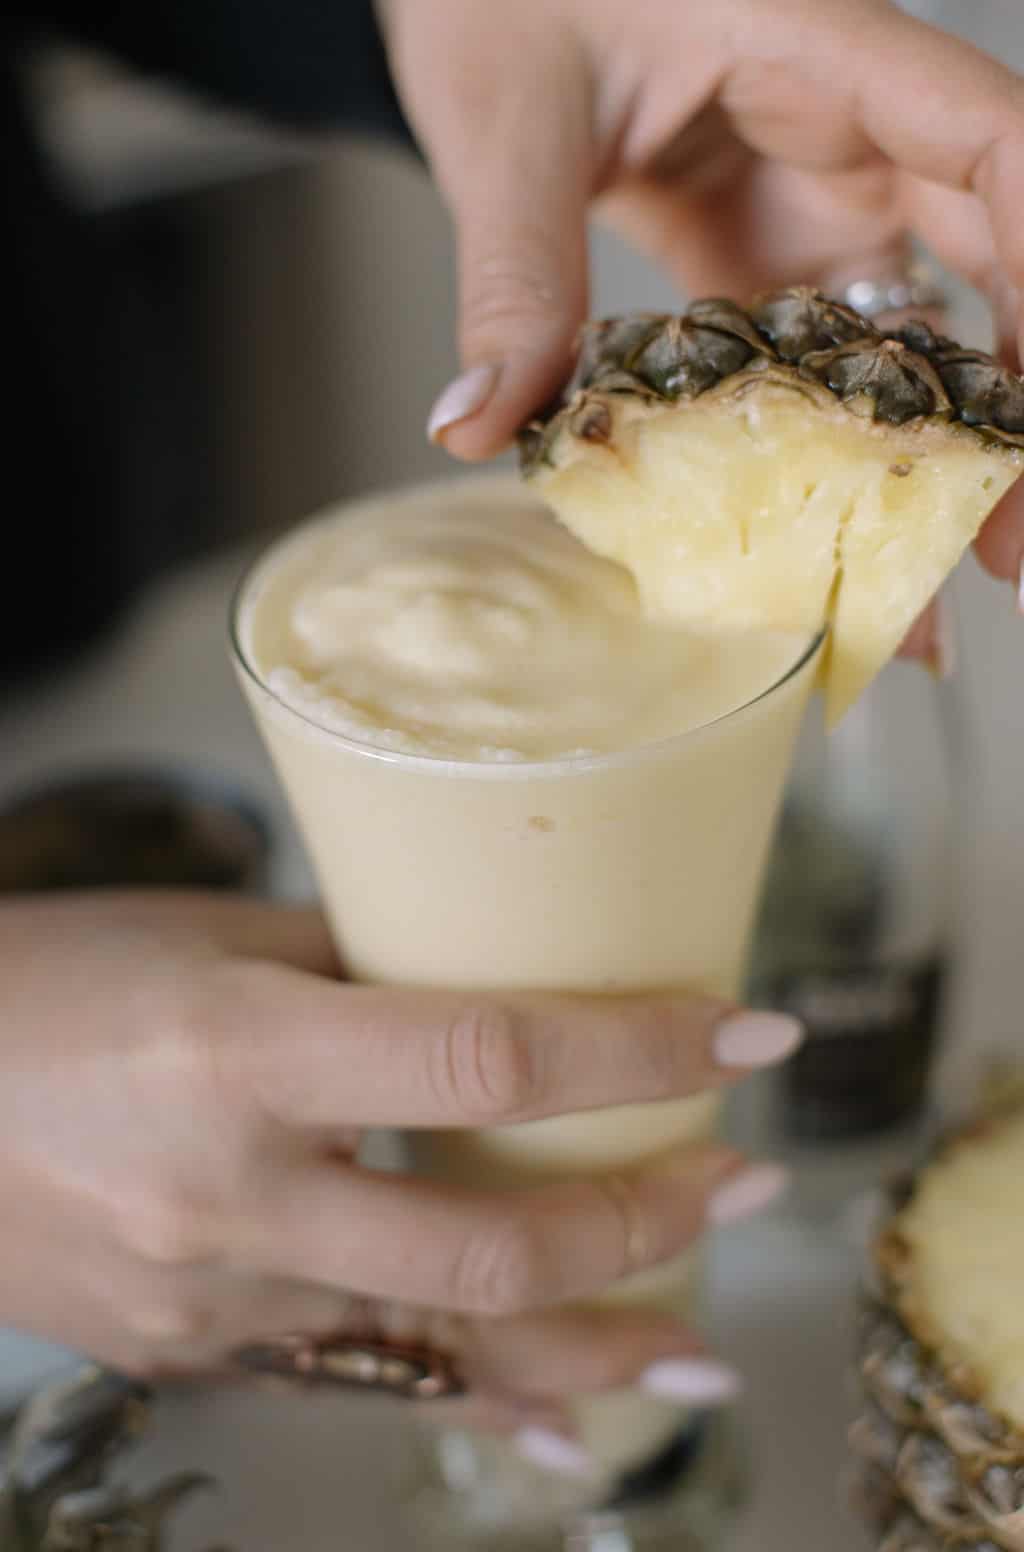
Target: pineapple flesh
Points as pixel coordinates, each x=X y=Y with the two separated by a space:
x=942 y=1355
x=784 y=467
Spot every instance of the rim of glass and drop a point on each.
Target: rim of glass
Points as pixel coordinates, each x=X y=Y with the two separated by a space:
x=508 y=770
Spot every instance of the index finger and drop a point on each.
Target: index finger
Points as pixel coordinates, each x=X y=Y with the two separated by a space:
x=316 y=1053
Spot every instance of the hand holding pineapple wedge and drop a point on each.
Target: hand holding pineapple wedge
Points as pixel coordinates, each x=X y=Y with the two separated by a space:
x=744 y=145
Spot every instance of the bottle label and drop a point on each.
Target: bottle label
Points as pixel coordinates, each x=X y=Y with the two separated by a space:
x=871 y=1038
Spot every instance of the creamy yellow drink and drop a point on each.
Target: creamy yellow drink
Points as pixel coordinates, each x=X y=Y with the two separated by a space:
x=508 y=776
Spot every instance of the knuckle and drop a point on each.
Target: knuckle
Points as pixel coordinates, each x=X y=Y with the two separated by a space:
x=638 y=1239
x=500 y=1270
x=166 y=1227
x=497 y=306
x=487 y=1064
x=194 y=1053
x=227 y=1049
x=182 y=1068
x=658 y=1047
x=208 y=1057
x=505 y=290
x=172 y=1324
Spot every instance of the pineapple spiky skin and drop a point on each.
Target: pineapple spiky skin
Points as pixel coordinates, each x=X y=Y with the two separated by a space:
x=942 y=1466
x=782 y=466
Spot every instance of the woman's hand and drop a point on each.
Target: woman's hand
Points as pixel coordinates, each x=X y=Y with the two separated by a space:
x=184 y=1083
x=744 y=144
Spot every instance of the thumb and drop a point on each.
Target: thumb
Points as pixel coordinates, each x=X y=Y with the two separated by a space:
x=517 y=169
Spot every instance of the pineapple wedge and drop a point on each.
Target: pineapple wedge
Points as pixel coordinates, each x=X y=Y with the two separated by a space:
x=781 y=467
x=942 y=1354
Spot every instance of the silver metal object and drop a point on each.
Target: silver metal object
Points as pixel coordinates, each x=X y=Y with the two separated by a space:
x=913 y=290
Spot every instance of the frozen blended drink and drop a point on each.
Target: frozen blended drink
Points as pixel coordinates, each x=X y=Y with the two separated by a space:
x=507 y=776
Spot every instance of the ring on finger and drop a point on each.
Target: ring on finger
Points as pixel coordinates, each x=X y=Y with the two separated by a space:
x=405 y=1371
x=913 y=288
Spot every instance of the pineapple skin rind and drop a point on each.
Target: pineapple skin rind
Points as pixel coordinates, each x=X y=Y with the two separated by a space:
x=796 y=335
x=940 y=1468
x=686 y=447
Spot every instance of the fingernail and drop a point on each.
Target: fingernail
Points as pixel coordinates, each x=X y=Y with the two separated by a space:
x=462 y=398
x=553 y=1452
x=697 y=1381
x=756 y=1039
x=746 y=1193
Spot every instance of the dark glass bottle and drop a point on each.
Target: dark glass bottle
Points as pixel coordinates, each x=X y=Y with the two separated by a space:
x=857 y=928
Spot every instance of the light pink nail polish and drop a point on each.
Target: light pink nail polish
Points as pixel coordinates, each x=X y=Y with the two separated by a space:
x=553 y=1452
x=697 y=1381
x=746 y=1193
x=756 y=1039
x=463 y=397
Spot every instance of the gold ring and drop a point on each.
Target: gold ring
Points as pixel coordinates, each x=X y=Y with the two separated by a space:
x=407 y=1372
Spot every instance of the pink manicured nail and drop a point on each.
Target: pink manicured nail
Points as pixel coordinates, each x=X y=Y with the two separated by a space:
x=553 y=1452
x=756 y=1039
x=462 y=398
x=746 y=1193
x=697 y=1381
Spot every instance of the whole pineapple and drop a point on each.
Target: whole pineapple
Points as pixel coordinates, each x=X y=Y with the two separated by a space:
x=781 y=466
x=942 y=1354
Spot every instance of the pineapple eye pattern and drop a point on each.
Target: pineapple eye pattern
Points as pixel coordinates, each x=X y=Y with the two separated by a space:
x=940 y=1466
